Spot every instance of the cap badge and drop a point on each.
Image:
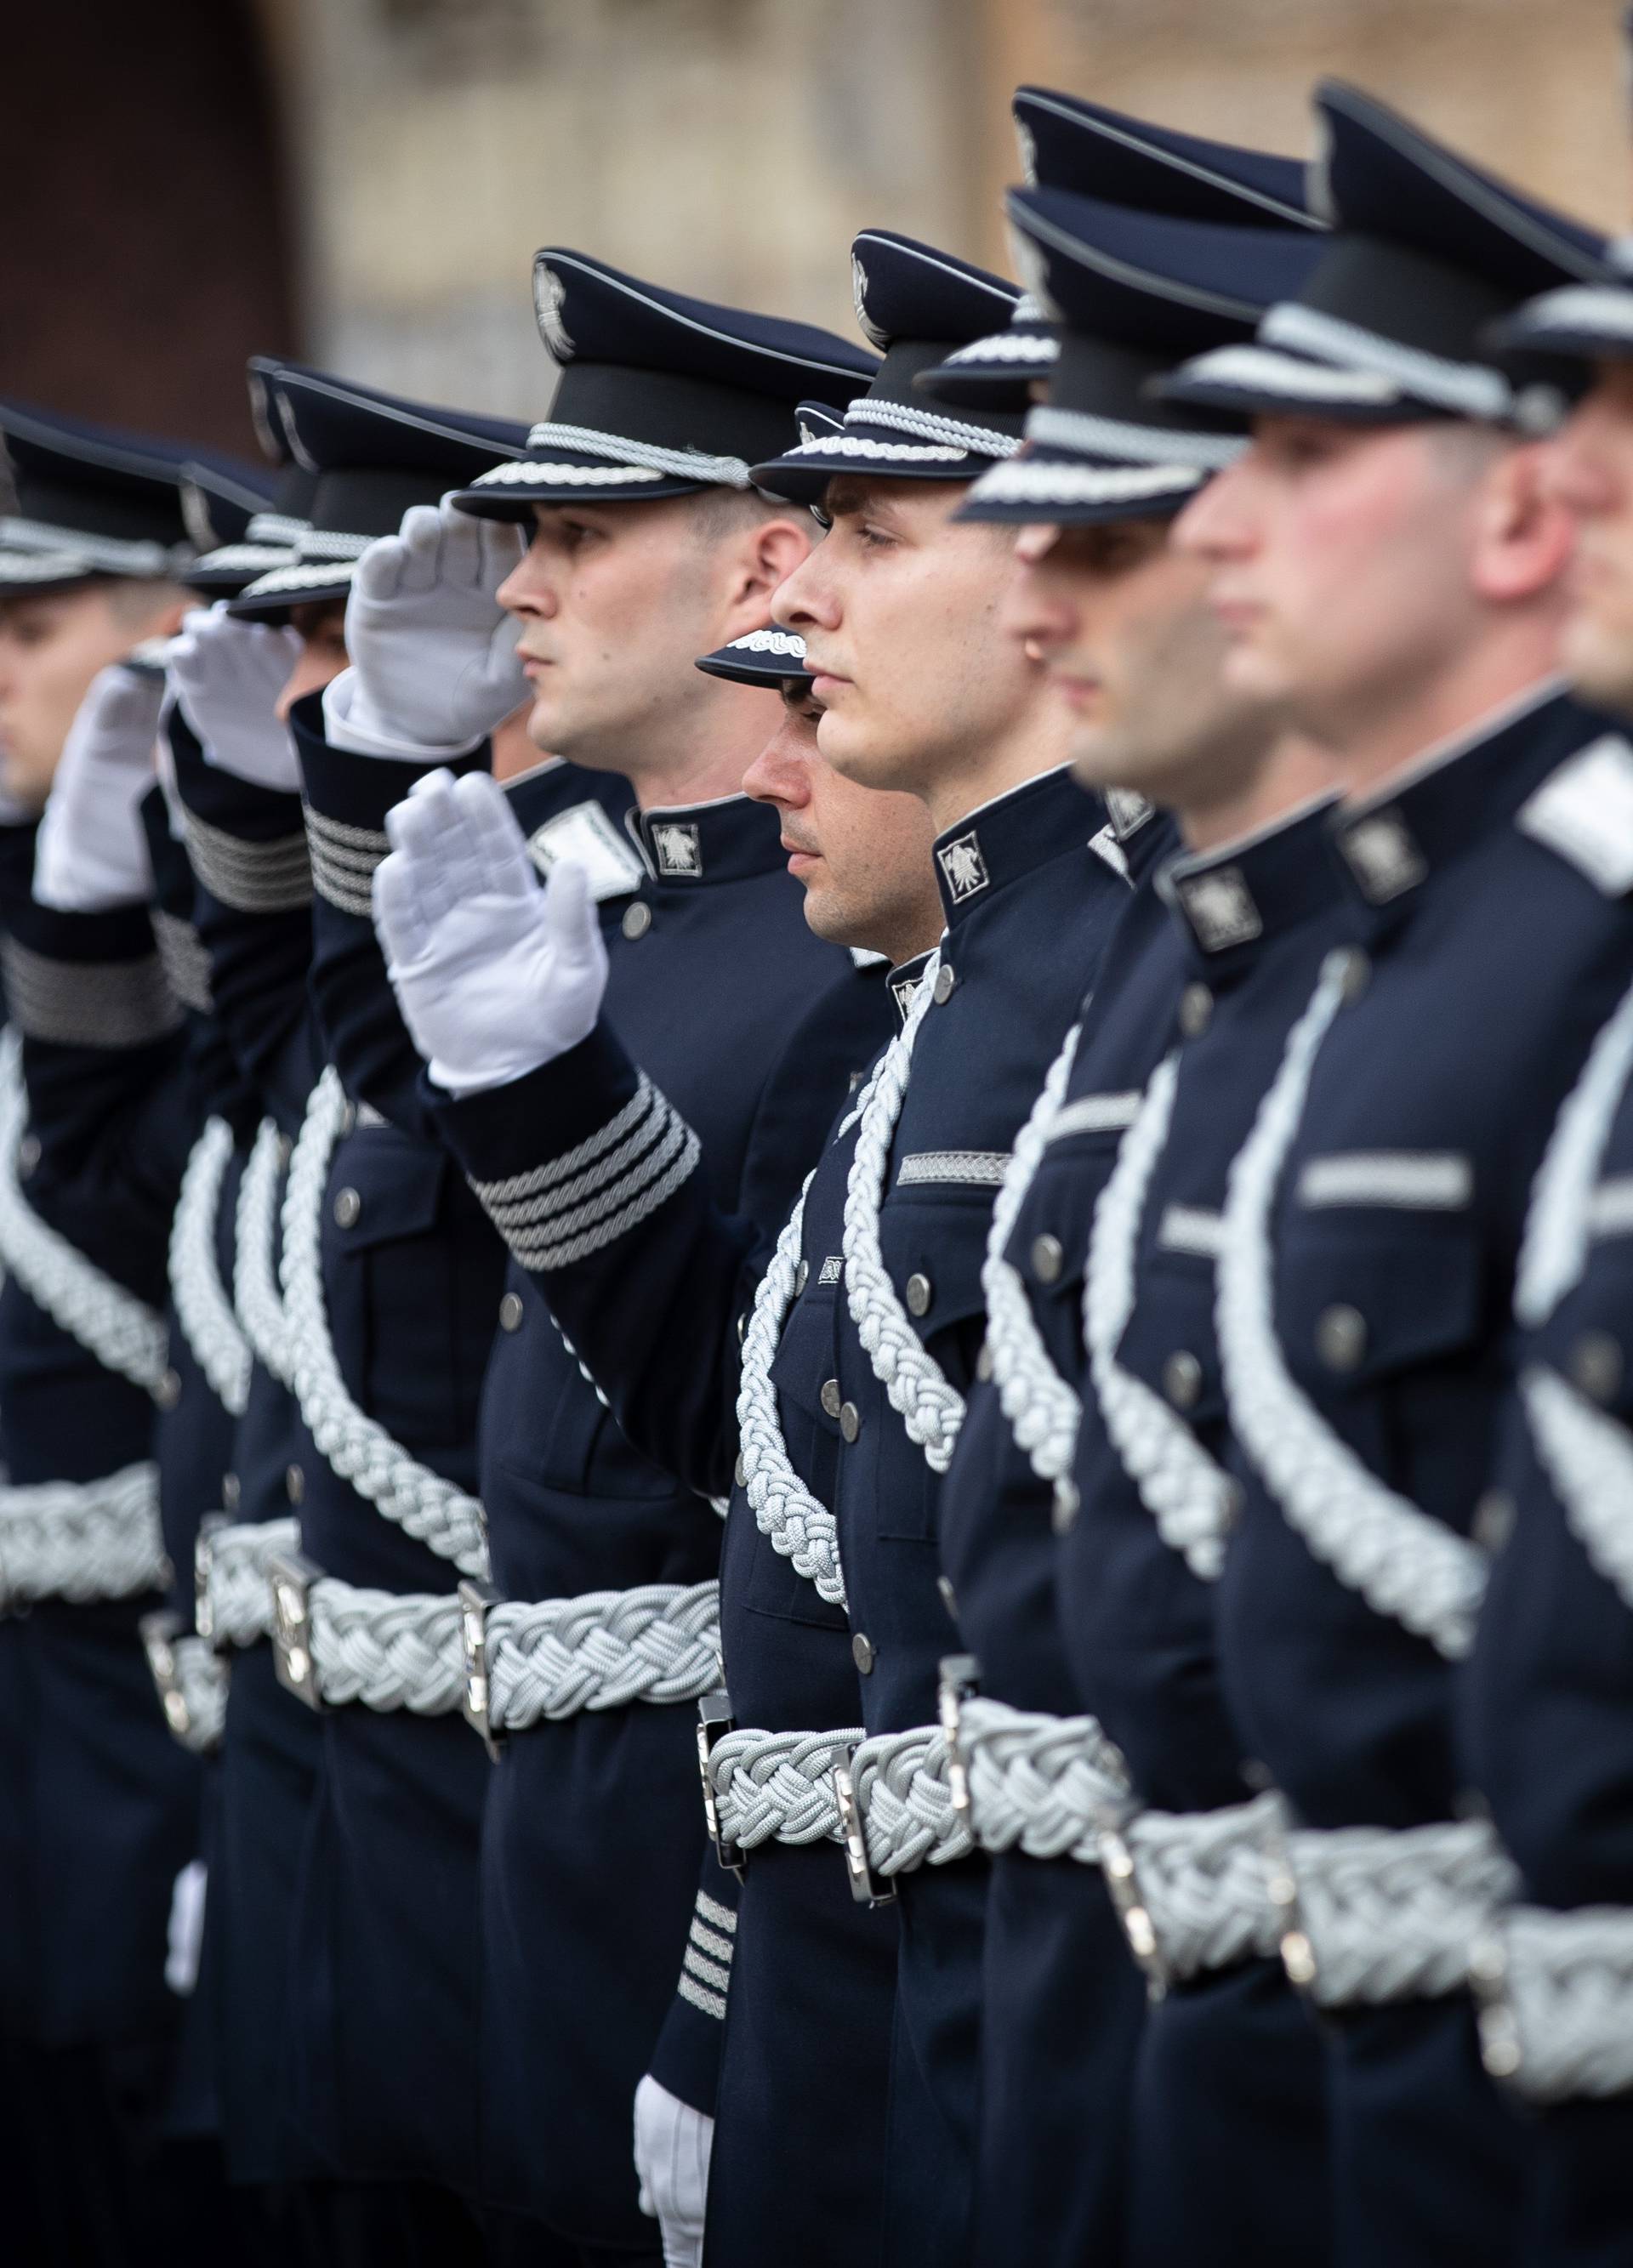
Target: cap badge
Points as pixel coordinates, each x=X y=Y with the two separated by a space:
x=677 y=849
x=1027 y=144
x=964 y=866
x=549 y=295
x=1221 y=910
x=196 y=517
x=865 y=323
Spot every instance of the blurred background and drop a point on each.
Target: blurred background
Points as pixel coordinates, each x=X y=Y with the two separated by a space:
x=363 y=182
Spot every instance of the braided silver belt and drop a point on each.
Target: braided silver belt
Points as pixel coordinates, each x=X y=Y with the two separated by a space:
x=1556 y=1998
x=231 y=1588
x=1192 y=1889
x=1374 y=1914
x=191 y=1679
x=82 y=1541
x=504 y=1664
x=886 y=1802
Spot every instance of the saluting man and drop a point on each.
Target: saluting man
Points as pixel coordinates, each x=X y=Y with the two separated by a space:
x=647 y=545
x=100 y=1806
x=1390 y=563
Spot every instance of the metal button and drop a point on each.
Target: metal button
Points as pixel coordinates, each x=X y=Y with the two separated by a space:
x=1341 y=1337
x=921 y=1292
x=1196 y=1009
x=1256 y=1774
x=740 y=1473
x=801 y=1276
x=348 y=1120
x=1596 y=1366
x=348 y=1208
x=984 y=1364
x=510 y=1312
x=861 y=1653
x=1230 y=1506
x=1494 y=1521
x=167 y=1393
x=295 y=1484
x=231 y=1490
x=850 y=1420
x=1063 y=1513
x=946 y=979
x=637 y=920
x=831 y=1396
x=1048 y=1258
x=950 y=1597
x=27 y=1154
x=1182 y=1379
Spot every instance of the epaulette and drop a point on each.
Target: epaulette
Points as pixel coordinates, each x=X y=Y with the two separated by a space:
x=1585 y=812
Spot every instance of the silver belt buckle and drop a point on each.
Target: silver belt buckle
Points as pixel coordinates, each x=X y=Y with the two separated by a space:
x=1122 y=1880
x=853 y=1834
x=714 y=1721
x=476 y=1693
x=1500 y=2049
x=291 y=1575
x=203 y=1566
x=960 y=1682
x=1282 y=1887
x=158 y=1632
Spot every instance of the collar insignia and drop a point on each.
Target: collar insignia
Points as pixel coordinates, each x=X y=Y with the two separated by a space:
x=832 y=1268
x=1220 y=908
x=964 y=868
x=677 y=849
x=1382 y=856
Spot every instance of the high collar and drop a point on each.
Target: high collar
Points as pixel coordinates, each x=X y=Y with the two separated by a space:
x=1011 y=837
x=1456 y=795
x=1230 y=902
x=903 y=982
x=727 y=840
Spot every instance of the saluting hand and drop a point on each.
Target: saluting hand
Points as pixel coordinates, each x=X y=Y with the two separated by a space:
x=494 y=976
x=228 y=675
x=91 y=854
x=433 y=654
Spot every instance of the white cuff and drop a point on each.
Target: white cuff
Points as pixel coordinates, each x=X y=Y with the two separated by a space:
x=343 y=728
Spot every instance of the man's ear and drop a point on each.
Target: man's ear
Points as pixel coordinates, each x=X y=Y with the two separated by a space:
x=772 y=551
x=1524 y=535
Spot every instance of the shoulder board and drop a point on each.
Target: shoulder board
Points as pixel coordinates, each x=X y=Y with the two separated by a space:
x=1583 y=810
x=584 y=834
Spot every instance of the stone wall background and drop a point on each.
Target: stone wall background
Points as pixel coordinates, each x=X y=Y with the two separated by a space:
x=364 y=182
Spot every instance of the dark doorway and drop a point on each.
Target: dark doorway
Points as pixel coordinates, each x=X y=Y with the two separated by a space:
x=143 y=251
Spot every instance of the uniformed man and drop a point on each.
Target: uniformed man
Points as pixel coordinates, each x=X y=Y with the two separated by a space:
x=390 y=1288
x=1136 y=658
x=919 y=691
x=646 y=542
x=100 y=1807
x=1547 y=1712
x=1389 y=562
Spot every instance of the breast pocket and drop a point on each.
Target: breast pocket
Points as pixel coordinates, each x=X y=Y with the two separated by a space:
x=409 y=1330
x=1386 y=1322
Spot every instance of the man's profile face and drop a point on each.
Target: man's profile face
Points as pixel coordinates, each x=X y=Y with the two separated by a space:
x=861 y=857
x=1590 y=470
x=321 y=629
x=52 y=645
x=612 y=602
x=1340 y=561
x=901 y=611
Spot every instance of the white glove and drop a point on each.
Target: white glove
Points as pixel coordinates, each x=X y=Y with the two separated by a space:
x=90 y=853
x=672 y=2146
x=434 y=653
x=228 y=675
x=494 y=976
